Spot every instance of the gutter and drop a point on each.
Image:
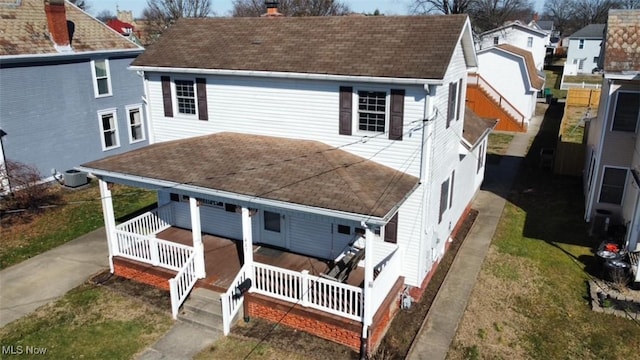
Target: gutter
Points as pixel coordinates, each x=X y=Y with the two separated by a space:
x=62 y=56
x=249 y=199
x=289 y=75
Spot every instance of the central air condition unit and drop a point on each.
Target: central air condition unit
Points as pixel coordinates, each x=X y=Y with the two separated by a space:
x=74 y=178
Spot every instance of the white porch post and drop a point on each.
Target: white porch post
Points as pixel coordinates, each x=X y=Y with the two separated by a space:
x=247 y=242
x=196 y=231
x=368 y=282
x=109 y=220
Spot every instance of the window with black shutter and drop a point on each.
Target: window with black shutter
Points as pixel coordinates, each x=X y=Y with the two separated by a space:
x=396 y=114
x=391 y=230
x=451 y=104
x=201 y=90
x=346 y=106
x=166 y=96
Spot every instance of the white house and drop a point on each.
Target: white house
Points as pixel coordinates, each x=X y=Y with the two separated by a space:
x=515 y=33
x=584 y=50
x=508 y=76
x=308 y=139
x=612 y=164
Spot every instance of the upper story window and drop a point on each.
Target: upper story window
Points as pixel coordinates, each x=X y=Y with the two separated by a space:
x=581 y=44
x=101 y=77
x=109 y=128
x=454 y=105
x=378 y=111
x=612 y=188
x=136 y=125
x=372 y=110
x=190 y=97
x=627 y=111
x=496 y=40
x=530 y=41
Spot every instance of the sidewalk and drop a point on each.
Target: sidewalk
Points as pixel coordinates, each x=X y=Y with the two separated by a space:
x=441 y=323
x=46 y=277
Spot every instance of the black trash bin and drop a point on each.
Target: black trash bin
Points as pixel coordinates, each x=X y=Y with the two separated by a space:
x=616 y=270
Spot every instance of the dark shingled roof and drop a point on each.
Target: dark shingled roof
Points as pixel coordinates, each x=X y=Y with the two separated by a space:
x=296 y=171
x=622 y=46
x=381 y=46
x=591 y=31
x=475 y=126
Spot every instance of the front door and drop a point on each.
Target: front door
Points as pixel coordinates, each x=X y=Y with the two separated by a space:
x=273 y=229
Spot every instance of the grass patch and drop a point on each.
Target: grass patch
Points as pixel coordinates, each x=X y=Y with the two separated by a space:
x=499 y=143
x=234 y=348
x=27 y=234
x=572 y=128
x=89 y=322
x=583 y=78
x=553 y=80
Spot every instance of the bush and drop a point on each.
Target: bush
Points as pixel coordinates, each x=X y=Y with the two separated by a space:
x=26 y=191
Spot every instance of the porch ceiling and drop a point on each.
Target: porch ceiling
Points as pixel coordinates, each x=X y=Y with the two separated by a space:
x=303 y=172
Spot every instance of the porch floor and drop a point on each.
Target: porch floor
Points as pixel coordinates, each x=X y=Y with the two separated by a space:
x=223 y=258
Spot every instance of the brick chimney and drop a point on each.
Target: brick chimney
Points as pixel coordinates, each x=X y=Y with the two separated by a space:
x=57 y=23
x=272 y=9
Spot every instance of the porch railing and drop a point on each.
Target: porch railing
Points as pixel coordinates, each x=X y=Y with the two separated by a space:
x=181 y=285
x=231 y=304
x=149 y=223
x=389 y=270
x=150 y=250
x=309 y=291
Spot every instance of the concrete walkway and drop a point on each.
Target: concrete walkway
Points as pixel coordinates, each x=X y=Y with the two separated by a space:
x=441 y=323
x=182 y=341
x=46 y=277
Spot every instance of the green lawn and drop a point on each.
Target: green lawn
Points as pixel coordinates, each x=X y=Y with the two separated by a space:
x=77 y=212
x=553 y=78
x=89 y=322
x=498 y=143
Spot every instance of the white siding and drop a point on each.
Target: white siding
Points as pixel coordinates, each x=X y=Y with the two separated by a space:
x=296 y=109
x=587 y=54
x=518 y=37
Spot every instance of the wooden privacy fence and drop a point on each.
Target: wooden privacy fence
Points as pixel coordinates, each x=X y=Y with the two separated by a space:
x=583 y=97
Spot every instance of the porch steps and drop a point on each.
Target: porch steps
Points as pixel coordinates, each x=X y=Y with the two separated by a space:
x=203 y=308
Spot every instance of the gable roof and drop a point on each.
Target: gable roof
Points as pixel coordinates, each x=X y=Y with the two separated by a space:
x=532 y=72
x=417 y=47
x=591 y=31
x=303 y=172
x=516 y=25
x=475 y=127
x=24 y=31
x=622 y=44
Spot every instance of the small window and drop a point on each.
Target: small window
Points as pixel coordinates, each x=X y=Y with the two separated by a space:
x=344 y=229
x=444 y=199
x=359 y=231
x=271 y=221
x=372 y=110
x=211 y=203
x=453 y=102
x=581 y=44
x=581 y=64
x=496 y=40
x=186 y=97
x=530 y=41
x=102 y=80
x=453 y=176
x=596 y=59
x=627 y=111
x=612 y=188
x=136 y=127
x=109 y=129
x=230 y=207
x=481 y=156
x=174 y=197
x=575 y=61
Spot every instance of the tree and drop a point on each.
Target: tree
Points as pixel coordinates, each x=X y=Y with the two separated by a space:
x=105 y=15
x=82 y=4
x=440 y=6
x=572 y=15
x=255 y=8
x=160 y=14
x=490 y=14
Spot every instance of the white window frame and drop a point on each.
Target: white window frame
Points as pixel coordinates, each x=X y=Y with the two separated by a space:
x=96 y=90
x=530 y=41
x=624 y=184
x=129 y=130
x=581 y=44
x=496 y=40
x=615 y=108
x=114 y=113
x=356 y=112
x=174 y=98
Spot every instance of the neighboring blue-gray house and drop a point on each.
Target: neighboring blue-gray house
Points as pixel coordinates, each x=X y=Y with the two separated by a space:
x=584 y=50
x=66 y=96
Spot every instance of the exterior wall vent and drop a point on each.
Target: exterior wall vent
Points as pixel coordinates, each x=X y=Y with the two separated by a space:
x=74 y=178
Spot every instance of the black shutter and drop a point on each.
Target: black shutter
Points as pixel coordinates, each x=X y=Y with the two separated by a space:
x=201 y=88
x=346 y=105
x=396 y=114
x=459 y=105
x=166 y=96
x=391 y=230
x=451 y=104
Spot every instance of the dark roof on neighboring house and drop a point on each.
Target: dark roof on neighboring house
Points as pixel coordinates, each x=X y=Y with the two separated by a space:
x=24 y=30
x=591 y=31
x=546 y=25
x=536 y=81
x=622 y=44
x=514 y=24
x=295 y=171
x=418 y=47
x=475 y=126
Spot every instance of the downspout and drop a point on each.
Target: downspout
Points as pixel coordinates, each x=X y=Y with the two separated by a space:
x=367 y=311
x=426 y=173
x=147 y=108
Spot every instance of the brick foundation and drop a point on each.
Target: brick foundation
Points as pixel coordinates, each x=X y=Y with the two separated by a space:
x=145 y=274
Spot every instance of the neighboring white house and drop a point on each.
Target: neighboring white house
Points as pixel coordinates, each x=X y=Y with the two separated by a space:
x=515 y=33
x=612 y=164
x=511 y=72
x=584 y=50
x=290 y=133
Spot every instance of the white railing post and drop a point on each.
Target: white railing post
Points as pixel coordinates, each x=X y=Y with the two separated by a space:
x=154 y=251
x=109 y=220
x=173 y=291
x=226 y=321
x=196 y=231
x=305 y=287
x=247 y=243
